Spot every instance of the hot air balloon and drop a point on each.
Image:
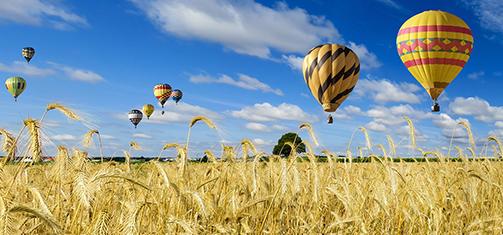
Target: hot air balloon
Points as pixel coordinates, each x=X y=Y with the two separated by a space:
x=15 y=86
x=162 y=92
x=177 y=95
x=148 y=109
x=28 y=53
x=135 y=116
x=434 y=46
x=331 y=72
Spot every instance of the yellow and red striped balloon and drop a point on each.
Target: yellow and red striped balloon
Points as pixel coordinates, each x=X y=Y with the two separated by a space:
x=434 y=46
x=162 y=92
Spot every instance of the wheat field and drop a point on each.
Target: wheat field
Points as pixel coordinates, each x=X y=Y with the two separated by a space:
x=238 y=192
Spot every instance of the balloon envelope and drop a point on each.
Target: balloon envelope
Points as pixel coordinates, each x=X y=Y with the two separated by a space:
x=28 y=53
x=148 y=109
x=162 y=92
x=177 y=95
x=434 y=46
x=15 y=86
x=331 y=72
x=135 y=116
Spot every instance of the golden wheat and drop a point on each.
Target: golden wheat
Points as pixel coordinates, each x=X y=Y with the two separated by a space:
x=412 y=132
x=66 y=111
x=468 y=129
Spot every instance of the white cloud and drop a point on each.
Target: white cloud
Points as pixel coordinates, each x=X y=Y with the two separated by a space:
x=107 y=137
x=259 y=141
x=375 y=126
x=393 y=116
x=295 y=62
x=63 y=137
x=368 y=60
x=383 y=91
x=39 y=12
x=23 y=68
x=255 y=126
x=142 y=136
x=391 y=3
x=243 y=81
x=81 y=75
x=450 y=127
x=246 y=27
x=266 y=112
x=476 y=75
x=478 y=108
x=179 y=113
x=489 y=13
x=348 y=112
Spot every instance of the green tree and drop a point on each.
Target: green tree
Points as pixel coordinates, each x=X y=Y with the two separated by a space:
x=284 y=150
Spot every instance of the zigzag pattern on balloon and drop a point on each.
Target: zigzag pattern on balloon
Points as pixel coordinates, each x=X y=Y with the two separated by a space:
x=331 y=72
x=436 y=45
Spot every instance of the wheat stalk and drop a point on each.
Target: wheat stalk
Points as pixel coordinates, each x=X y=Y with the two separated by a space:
x=309 y=128
x=412 y=132
x=245 y=145
x=498 y=142
x=35 y=143
x=367 y=138
x=391 y=145
x=134 y=145
x=88 y=140
x=468 y=129
x=9 y=144
x=66 y=111
x=195 y=120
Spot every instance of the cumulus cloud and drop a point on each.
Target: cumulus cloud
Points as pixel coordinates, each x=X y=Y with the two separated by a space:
x=295 y=62
x=243 y=81
x=449 y=126
x=393 y=116
x=382 y=91
x=246 y=27
x=348 y=112
x=266 y=112
x=39 y=12
x=478 y=108
x=368 y=60
x=375 y=126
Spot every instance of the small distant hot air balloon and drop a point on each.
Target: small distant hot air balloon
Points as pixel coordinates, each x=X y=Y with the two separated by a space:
x=135 y=116
x=28 y=53
x=434 y=46
x=148 y=109
x=177 y=95
x=162 y=92
x=331 y=72
x=15 y=86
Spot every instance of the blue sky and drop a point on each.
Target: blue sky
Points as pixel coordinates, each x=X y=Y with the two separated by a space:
x=237 y=62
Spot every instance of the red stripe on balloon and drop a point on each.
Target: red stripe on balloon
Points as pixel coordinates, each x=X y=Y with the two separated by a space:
x=428 y=28
x=446 y=61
